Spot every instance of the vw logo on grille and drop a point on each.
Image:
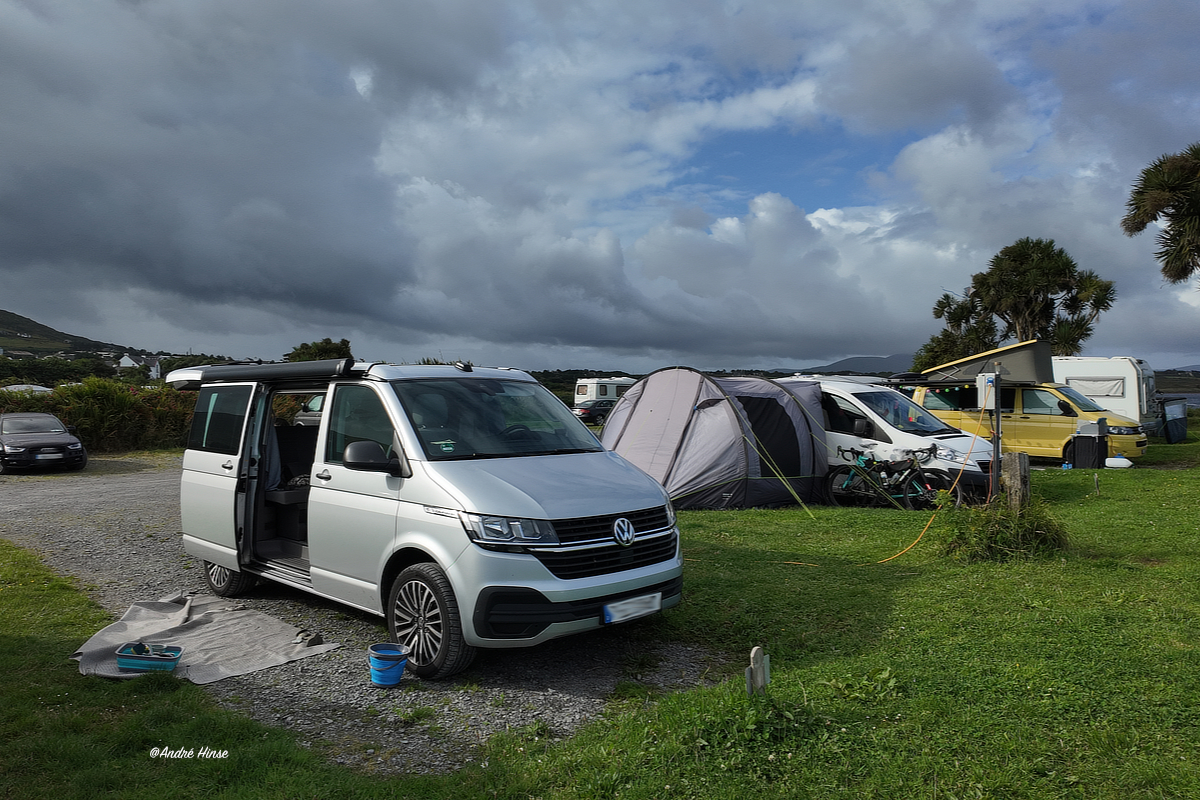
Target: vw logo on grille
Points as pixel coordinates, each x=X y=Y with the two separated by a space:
x=623 y=532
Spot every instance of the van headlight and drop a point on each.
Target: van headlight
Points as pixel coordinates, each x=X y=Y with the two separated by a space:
x=953 y=456
x=1124 y=430
x=485 y=529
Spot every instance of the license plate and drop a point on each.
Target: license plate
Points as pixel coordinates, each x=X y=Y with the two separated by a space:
x=48 y=455
x=632 y=608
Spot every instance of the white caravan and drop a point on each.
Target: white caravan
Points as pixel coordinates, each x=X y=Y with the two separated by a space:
x=601 y=388
x=1121 y=384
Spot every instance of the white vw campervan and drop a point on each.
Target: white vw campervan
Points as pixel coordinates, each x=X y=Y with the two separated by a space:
x=467 y=506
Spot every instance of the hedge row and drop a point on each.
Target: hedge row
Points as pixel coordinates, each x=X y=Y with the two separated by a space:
x=113 y=417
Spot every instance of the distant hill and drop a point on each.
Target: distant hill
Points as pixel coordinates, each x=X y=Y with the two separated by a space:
x=867 y=365
x=22 y=333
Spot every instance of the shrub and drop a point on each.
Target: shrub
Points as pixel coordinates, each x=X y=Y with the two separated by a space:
x=994 y=532
x=111 y=416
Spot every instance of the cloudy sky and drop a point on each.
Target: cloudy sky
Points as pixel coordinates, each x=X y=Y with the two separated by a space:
x=617 y=184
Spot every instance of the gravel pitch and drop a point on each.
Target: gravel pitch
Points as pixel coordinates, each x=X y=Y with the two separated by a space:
x=115 y=526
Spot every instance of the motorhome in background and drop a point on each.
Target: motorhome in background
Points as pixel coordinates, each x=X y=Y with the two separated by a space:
x=1122 y=384
x=601 y=388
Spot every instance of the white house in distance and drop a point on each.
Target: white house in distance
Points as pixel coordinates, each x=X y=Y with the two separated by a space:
x=127 y=362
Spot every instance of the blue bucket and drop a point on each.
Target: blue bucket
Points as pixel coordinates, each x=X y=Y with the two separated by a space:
x=387 y=663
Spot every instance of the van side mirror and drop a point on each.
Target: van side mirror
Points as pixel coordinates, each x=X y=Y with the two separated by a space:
x=863 y=427
x=369 y=456
x=1067 y=409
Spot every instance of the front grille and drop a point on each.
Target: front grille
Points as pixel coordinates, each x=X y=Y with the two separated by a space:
x=582 y=530
x=985 y=467
x=588 y=562
x=587 y=547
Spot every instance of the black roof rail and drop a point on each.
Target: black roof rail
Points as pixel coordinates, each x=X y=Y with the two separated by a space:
x=280 y=370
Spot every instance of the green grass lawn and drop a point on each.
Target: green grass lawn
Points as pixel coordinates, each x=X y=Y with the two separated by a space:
x=910 y=676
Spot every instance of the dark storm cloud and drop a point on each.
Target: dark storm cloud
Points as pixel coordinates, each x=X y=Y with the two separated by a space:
x=216 y=150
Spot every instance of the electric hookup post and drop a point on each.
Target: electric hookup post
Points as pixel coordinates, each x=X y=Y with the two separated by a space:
x=987 y=384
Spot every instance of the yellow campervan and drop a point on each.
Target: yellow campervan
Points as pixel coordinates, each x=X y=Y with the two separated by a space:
x=1037 y=416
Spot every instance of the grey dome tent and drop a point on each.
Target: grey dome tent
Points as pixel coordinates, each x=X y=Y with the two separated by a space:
x=722 y=442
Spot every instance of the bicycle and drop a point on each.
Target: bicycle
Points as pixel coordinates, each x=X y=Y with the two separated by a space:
x=868 y=481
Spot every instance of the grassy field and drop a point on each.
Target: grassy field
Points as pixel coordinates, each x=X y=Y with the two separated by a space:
x=897 y=672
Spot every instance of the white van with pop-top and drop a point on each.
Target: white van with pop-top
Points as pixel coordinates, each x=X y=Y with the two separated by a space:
x=466 y=505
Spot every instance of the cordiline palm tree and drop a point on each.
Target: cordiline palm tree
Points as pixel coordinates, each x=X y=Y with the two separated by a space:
x=1169 y=189
x=1034 y=287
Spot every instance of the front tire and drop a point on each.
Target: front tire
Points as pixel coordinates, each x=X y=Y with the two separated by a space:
x=922 y=495
x=225 y=582
x=847 y=488
x=423 y=616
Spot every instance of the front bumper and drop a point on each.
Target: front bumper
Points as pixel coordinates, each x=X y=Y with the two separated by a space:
x=514 y=613
x=56 y=458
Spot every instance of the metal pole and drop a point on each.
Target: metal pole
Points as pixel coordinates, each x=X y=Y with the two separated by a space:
x=997 y=459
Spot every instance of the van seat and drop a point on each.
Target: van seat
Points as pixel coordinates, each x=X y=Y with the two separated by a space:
x=297 y=450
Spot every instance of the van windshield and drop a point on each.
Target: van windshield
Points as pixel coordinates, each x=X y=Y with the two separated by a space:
x=465 y=418
x=901 y=413
x=1082 y=402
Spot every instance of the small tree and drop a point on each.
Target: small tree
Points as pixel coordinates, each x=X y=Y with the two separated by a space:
x=1035 y=289
x=1169 y=189
x=316 y=351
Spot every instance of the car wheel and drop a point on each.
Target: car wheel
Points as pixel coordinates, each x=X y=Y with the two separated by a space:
x=225 y=582
x=423 y=616
x=1069 y=453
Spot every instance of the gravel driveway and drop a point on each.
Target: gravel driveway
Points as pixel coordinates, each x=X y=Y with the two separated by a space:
x=115 y=527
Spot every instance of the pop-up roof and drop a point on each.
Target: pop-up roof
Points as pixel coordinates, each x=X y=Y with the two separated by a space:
x=1025 y=362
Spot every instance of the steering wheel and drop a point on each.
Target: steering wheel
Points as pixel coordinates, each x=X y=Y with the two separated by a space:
x=518 y=428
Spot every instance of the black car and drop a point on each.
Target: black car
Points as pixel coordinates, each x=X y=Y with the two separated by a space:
x=594 y=412
x=39 y=440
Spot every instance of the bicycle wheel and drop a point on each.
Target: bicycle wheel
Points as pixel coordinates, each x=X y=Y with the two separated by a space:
x=920 y=490
x=848 y=488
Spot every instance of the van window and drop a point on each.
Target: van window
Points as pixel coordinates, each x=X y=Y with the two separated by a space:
x=1040 y=401
x=219 y=418
x=900 y=412
x=356 y=415
x=474 y=418
x=603 y=389
x=952 y=398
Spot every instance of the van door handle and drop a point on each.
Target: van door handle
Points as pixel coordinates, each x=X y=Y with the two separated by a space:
x=228 y=465
x=324 y=475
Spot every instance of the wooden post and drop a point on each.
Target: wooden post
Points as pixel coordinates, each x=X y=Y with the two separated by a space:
x=758 y=674
x=1016 y=479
